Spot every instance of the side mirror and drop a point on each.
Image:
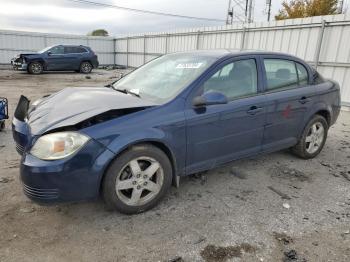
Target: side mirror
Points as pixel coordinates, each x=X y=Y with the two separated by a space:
x=210 y=98
x=49 y=53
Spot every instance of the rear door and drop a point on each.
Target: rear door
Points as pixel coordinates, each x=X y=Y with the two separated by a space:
x=72 y=57
x=220 y=133
x=289 y=96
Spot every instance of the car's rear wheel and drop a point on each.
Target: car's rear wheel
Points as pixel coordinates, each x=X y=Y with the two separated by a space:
x=85 y=67
x=35 y=68
x=313 y=138
x=137 y=179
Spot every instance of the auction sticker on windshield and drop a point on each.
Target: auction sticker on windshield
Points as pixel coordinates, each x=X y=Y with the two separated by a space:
x=189 y=65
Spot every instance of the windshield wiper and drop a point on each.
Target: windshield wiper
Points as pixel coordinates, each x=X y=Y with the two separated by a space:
x=127 y=91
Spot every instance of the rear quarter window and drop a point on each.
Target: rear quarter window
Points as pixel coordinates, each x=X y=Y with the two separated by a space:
x=81 y=50
x=302 y=74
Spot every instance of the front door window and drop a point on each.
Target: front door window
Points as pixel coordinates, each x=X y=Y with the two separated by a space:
x=235 y=80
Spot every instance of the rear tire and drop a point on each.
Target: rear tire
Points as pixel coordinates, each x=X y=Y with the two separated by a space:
x=2 y=125
x=137 y=179
x=85 y=67
x=35 y=68
x=313 y=138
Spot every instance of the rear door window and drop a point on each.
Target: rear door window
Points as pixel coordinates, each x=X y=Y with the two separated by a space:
x=74 y=50
x=284 y=74
x=280 y=74
x=69 y=50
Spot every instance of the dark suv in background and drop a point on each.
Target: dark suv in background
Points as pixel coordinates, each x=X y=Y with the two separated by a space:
x=57 y=58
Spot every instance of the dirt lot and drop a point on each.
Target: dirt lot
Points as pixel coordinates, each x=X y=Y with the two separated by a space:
x=274 y=207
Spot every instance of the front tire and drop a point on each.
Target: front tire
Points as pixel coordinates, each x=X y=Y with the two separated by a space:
x=85 y=68
x=137 y=179
x=35 y=68
x=313 y=138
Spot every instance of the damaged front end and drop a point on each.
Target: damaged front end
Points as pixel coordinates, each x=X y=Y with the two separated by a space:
x=19 y=62
x=63 y=111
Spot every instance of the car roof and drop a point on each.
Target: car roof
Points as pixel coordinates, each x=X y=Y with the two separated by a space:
x=69 y=45
x=219 y=53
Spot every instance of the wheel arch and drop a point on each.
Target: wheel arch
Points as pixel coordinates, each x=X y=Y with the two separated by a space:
x=157 y=143
x=40 y=60
x=86 y=60
x=326 y=114
x=318 y=109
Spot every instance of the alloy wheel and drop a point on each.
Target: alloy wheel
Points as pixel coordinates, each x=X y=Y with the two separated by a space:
x=36 y=68
x=315 y=137
x=86 y=67
x=139 y=181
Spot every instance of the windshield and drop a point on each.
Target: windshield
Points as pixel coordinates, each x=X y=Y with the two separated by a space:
x=163 y=78
x=44 y=50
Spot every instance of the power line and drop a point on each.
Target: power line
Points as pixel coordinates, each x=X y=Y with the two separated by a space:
x=145 y=11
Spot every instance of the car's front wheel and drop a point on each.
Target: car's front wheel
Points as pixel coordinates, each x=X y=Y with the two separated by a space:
x=313 y=138
x=137 y=179
x=35 y=68
x=85 y=67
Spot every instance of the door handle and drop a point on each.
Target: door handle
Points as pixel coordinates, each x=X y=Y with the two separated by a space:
x=304 y=100
x=254 y=110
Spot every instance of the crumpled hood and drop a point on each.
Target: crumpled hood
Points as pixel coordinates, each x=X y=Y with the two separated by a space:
x=20 y=56
x=25 y=54
x=73 y=105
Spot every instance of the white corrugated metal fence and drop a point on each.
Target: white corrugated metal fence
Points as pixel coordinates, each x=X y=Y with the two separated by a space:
x=322 y=41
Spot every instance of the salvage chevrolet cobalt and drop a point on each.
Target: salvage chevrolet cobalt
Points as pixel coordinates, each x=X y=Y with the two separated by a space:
x=177 y=115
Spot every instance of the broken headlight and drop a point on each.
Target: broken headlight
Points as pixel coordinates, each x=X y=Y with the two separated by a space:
x=58 y=145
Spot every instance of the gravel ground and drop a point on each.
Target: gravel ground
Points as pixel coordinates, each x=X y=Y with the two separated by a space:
x=274 y=207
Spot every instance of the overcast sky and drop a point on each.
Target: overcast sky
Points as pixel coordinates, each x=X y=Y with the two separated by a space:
x=63 y=16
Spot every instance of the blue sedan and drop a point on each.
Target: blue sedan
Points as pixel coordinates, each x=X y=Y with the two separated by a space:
x=177 y=115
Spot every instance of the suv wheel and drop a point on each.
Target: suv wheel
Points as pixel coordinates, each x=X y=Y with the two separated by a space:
x=137 y=179
x=85 y=67
x=35 y=68
x=313 y=138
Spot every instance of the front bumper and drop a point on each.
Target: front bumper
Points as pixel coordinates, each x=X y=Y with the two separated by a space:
x=74 y=179
x=19 y=65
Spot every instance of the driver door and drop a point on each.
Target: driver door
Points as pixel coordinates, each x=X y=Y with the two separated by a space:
x=221 y=133
x=55 y=58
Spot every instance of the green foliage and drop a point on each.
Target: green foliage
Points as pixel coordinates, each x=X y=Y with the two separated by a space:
x=307 y=8
x=99 y=32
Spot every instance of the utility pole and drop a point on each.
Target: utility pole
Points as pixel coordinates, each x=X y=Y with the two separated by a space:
x=268 y=2
x=250 y=11
x=246 y=9
x=341 y=6
x=229 y=16
x=240 y=11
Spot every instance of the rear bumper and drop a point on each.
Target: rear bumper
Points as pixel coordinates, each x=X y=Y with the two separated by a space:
x=336 y=112
x=95 y=64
